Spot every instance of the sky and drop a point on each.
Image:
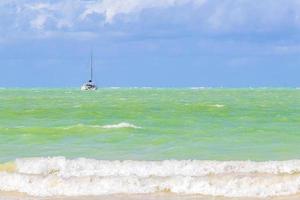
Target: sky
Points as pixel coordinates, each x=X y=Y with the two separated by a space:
x=150 y=43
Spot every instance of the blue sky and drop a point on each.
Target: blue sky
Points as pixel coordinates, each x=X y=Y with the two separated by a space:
x=159 y=43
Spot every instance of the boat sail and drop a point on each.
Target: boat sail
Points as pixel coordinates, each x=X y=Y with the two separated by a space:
x=90 y=85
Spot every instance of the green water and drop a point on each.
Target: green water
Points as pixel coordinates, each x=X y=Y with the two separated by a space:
x=209 y=124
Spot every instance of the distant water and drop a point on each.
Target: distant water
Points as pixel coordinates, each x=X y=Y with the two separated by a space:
x=177 y=128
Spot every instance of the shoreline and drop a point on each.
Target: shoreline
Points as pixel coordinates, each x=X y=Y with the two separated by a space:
x=159 y=196
x=73 y=179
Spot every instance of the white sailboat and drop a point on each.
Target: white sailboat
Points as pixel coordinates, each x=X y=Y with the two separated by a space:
x=90 y=85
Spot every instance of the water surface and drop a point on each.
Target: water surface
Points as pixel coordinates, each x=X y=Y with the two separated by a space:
x=151 y=124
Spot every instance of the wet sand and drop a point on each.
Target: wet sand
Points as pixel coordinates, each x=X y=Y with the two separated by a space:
x=20 y=196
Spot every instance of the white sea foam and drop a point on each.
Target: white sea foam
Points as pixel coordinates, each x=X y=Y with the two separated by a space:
x=60 y=176
x=218 y=106
x=120 y=125
x=198 y=88
x=109 y=126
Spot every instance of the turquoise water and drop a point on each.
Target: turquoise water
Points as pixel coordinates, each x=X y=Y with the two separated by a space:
x=151 y=124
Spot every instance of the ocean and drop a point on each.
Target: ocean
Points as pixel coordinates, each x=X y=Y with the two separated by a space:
x=189 y=141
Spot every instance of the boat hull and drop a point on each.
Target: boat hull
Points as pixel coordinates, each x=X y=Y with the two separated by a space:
x=87 y=87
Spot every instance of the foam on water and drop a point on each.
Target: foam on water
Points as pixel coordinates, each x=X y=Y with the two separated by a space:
x=198 y=88
x=218 y=106
x=120 y=125
x=109 y=126
x=60 y=176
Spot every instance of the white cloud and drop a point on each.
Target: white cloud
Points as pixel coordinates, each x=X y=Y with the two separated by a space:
x=232 y=15
x=203 y=15
x=39 y=22
x=55 y=16
x=40 y=6
x=111 y=8
x=62 y=14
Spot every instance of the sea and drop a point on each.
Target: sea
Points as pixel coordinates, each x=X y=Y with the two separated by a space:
x=184 y=141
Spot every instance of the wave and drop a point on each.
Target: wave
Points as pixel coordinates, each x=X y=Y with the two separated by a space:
x=218 y=106
x=198 y=88
x=59 y=176
x=84 y=126
x=120 y=125
x=109 y=126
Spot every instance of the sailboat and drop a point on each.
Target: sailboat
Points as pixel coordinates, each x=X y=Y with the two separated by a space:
x=90 y=85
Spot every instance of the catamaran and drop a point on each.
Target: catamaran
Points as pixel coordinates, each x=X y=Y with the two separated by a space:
x=90 y=85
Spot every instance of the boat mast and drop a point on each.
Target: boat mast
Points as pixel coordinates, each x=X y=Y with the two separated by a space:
x=92 y=66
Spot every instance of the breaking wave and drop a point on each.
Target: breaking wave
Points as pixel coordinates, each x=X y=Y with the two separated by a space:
x=218 y=105
x=198 y=88
x=120 y=125
x=109 y=126
x=59 y=176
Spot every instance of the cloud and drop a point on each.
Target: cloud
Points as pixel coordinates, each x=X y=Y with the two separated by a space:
x=39 y=22
x=235 y=15
x=112 y=8
x=67 y=13
x=61 y=14
x=191 y=16
x=35 y=17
